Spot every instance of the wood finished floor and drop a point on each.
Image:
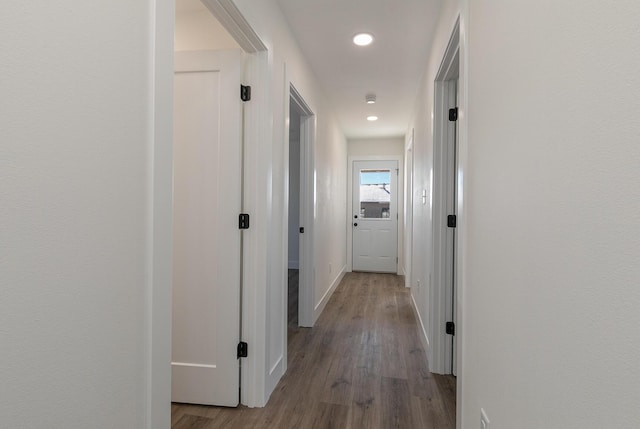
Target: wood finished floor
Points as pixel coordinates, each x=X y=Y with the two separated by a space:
x=361 y=366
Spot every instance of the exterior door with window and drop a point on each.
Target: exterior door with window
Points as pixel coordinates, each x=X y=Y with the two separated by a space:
x=375 y=216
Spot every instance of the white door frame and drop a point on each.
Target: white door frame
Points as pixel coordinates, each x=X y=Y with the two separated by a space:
x=441 y=294
x=408 y=210
x=307 y=205
x=159 y=285
x=254 y=265
x=400 y=193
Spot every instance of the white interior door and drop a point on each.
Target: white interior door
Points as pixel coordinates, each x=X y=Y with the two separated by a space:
x=375 y=216
x=450 y=202
x=206 y=255
x=454 y=282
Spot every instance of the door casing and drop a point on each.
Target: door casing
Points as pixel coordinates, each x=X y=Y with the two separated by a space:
x=445 y=261
x=307 y=207
x=408 y=211
x=254 y=266
x=159 y=287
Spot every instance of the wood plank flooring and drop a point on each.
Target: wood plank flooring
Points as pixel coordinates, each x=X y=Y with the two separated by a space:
x=361 y=366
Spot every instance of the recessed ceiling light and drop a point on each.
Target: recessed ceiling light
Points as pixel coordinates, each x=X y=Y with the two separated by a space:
x=372 y=118
x=371 y=98
x=363 y=39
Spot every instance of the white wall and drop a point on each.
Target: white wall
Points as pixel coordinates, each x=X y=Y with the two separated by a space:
x=551 y=207
x=76 y=147
x=197 y=29
x=376 y=147
x=329 y=175
x=552 y=322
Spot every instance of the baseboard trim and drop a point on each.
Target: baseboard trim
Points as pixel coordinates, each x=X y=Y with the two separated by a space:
x=325 y=298
x=424 y=338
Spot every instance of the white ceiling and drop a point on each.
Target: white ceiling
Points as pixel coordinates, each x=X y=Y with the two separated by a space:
x=391 y=67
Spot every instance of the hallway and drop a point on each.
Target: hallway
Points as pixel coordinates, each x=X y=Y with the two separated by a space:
x=361 y=366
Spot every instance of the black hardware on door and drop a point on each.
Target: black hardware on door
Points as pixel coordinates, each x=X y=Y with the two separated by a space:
x=245 y=92
x=451 y=221
x=355 y=224
x=243 y=221
x=243 y=349
x=453 y=114
x=355 y=216
x=302 y=230
x=450 y=328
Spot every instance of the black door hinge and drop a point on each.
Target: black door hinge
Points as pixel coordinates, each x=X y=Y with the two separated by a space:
x=453 y=114
x=245 y=92
x=450 y=328
x=302 y=230
x=452 y=221
x=243 y=221
x=243 y=349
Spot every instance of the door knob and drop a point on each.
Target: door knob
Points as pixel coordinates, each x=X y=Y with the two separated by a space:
x=355 y=224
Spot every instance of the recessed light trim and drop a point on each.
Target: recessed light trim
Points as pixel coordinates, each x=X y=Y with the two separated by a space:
x=363 y=39
x=370 y=98
x=372 y=118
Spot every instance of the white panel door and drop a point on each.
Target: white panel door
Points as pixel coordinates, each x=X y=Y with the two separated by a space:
x=375 y=216
x=207 y=197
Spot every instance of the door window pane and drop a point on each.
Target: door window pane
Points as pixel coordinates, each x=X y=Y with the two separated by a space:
x=375 y=194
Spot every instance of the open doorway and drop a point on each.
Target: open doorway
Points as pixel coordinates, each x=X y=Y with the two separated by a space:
x=254 y=129
x=205 y=30
x=295 y=227
x=207 y=184
x=300 y=223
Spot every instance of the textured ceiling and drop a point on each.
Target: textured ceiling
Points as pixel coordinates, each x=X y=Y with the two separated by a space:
x=391 y=67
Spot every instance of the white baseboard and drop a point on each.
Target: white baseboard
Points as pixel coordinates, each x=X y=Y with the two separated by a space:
x=325 y=298
x=424 y=338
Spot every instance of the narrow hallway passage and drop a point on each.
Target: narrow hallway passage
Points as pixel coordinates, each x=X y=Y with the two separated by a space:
x=361 y=366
